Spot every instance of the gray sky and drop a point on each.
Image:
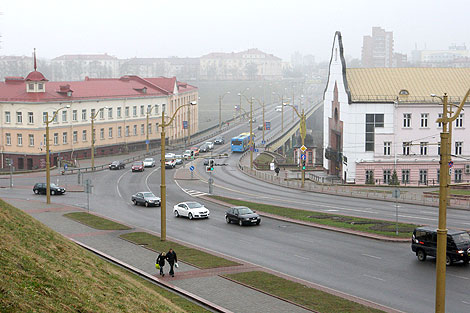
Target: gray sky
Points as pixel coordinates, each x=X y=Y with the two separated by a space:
x=144 y=28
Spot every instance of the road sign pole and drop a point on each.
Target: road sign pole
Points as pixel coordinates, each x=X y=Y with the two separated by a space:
x=210 y=181
x=11 y=174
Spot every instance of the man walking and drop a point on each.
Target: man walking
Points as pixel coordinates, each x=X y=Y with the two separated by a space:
x=161 y=262
x=172 y=260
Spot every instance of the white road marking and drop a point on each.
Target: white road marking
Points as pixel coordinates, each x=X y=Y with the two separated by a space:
x=373 y=277
x=465 y=302
x=372 y=256
x=147 y=178
x=331 y=210
x=462 y=277
x=302 y=257
x=466 y=223
x=117 y=184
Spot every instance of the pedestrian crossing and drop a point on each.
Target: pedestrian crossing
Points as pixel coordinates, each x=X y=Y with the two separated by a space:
x=194 y=193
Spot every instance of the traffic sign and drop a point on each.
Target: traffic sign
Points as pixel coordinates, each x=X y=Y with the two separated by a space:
x=251 y=148
x=303 y=149
x=263 y=142
x=256 y=150
x=65 y=166
x=271 y=166
x=191 y=168
x=147 y=142
x=185 y=124
x=267 y=125
x=451 y=163
x=396 y=193
x=303 y=156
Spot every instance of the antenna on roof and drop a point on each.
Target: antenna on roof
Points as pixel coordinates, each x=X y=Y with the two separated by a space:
x=34 y=55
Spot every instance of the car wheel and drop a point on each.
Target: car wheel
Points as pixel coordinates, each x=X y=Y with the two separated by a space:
x=176 y=213
x=227 y=220
x=134 y=201
x=448 y=260
x=36 y=191
x=159 y=204
x=52 y=192
x=190 y=216
x=146 y=204
x=240 y=222
x=421 y=255
x=258 y=222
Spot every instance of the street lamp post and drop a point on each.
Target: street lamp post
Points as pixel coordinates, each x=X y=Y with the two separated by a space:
x=241 y=94
x=48 y=163
x=446 y=120
x=147 y=140
x=93 y=116
x=220 y=108
x=282 y=109
x=162 y=168
x=262 y=106
x=303 y=133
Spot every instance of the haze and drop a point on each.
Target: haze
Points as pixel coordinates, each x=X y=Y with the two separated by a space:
x=194 y=28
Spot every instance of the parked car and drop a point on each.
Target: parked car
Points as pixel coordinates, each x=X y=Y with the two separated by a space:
x=170 y=163
x=188 y=154
x=191 y=210
x=146 y=198
x=117 y=165
x=424 y=243
x=260 y=127
x=204 y=148
x=149 y=162
x=219 y=140
x=40 y=188
x=138 y=166
x=210 y=144
x=195 y=151
x=242 y=215
x=178 y=159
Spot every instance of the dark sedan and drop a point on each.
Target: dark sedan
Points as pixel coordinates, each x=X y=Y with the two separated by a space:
x=117 y=165
x=242 y=215
x=219 y=140
x=40 y=188
x=146 y=198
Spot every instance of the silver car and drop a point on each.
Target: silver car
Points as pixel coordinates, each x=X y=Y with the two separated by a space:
x=149 y=162
x=210 y=144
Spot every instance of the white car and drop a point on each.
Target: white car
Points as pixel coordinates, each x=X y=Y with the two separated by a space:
x=210 y=144
x=279 y=108
x=191 y=210
x=179 y=159
x=187 y=154
x=149 y=162
x=169 y=156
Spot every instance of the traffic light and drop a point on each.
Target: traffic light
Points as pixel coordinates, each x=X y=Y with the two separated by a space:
x=303 y=164
x=210 y=167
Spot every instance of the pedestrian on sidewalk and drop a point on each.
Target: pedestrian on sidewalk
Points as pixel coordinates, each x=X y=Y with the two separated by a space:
x=172 y=260
x=161 y=262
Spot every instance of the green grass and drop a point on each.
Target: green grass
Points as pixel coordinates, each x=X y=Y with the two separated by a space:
x=309 y=297
x=372 y=226
x=95 y=221
x=460 y=192
x=41 y=271
x=188 y=255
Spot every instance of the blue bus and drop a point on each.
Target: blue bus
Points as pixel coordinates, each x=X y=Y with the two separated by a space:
x=240 y=143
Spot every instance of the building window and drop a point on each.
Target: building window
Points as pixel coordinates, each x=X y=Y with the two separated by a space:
x=156 y=109
x=387 y=147
x=149 y=128
x=102 y=133
x=142 y=129
x=31 y=87
x=407 y=120
x=369 y=176
x=406 y=148
x=149 y=109
x=127 y=112
x=387 y=176
x=458 y=147
x=101 y=113
x=438 y=148
x=156 y=127
x=405 y=176
x=64 y=138
x=458 y=175
x=64 y=116
x=56 y=138
x=110 y=132
x=459 y=121
x=84 y=115
x=40 y=86
x=142 y=112
x=75 y=136
x=127 y=131
x=20 y=139
x=92 y=113
x=423 y=148
x=134 y=110
x=423 y=177
x=424 y=119
x=110 y=113
x=439 y=124
x=119 y=134
x=19 y=117
x=8 y=139
x=84 y=135
x=74 y=115
x=44 y=140
x=7 y=117
x=31 y=140
x=55 y=120
x=30 y=118
x=118 y=112
x=372 y=121
x=44 y=117
x=438 y=174
x=135 y=130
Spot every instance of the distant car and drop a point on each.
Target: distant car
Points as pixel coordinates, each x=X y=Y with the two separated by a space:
x=146 y=198
x=219 y=140
x=206 y=161
x=188 y=154
x=170 y=163
x=169 y=156
x=117 y=165
x=195 y=151
x=191 y=210
x=279 y=108
x=178 y=159
x=40 y=188
x=149 y=162
x=204 y=148
x=138 y=166
x=242 y=215
x=260 y=127
x=210 y=144
x=253 y=119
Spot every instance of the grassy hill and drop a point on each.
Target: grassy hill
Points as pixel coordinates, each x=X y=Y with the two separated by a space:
x=41 y=271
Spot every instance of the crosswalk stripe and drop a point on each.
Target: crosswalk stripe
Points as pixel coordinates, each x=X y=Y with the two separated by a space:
x=194 y=193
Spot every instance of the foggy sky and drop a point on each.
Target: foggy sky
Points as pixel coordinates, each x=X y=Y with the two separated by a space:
x=191 y=28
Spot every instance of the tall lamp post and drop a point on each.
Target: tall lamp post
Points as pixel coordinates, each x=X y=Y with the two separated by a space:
x=220 y=108
x=162 y=169
x=93 y=116
x=446 y=120
x=303 y=133
x=147 y=140
x=262 y=106
x=240 y=94
x=48 y=163
x=251 y=143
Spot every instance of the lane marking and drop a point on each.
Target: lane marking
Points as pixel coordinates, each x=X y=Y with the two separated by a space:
x=373 y=277
x=147 y=178
x=331 y=210
x=117 y=184
x=465 y=302
x=302 y=257
x=372 y=256
x=462 y=277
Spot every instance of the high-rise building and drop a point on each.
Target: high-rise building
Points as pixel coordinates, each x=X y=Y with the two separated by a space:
x=377 y=50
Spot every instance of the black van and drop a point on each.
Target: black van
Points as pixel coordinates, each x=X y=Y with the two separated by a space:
x=424 y=243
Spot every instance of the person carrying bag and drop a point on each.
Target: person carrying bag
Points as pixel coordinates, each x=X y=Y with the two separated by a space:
x=172 y=260
x=160 y=263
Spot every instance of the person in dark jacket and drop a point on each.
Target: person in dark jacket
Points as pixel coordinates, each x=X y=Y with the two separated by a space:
x=161 y=261
x=172 y=259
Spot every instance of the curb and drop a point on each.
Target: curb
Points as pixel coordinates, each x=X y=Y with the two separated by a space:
x=310 y=224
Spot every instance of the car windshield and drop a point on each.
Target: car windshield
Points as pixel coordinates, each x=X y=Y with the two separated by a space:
x=148 y=194
x=54 y=185
x=137 y=164
x=461 y=238
x=243 y=211
x=148 y=160
x=188 y=151
x=194 y=205
x=115 y=162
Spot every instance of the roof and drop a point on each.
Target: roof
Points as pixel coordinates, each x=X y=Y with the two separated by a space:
x=384 y=84
x=72 y=57
x=35 y=76
x=238 y=55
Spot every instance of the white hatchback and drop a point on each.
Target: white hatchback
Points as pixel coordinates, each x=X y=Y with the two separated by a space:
x=191 y=210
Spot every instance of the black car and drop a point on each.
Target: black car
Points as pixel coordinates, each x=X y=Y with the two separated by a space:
x=117 y=165
x=40 y=188
x=219 y=140
x=424 y=243
x=242 y=215
x=146 y=198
